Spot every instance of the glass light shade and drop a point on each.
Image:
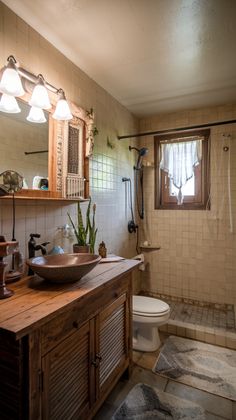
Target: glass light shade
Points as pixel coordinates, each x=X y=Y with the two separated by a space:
x=40 y=98
x=9 y=104
x=62 y=111
x=36 y=115
x=11 y=83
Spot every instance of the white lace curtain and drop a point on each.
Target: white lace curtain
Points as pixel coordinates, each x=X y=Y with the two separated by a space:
x=178 y=160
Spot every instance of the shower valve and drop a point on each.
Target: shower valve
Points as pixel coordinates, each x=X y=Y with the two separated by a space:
x=132 y=227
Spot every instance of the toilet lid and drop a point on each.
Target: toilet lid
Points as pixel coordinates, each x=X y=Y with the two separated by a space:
x=146 y=306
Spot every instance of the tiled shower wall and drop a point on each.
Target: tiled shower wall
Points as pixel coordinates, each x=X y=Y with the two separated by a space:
x=197 y=259
x=111 y=161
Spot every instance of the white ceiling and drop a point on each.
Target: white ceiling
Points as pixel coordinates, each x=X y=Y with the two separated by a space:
x=151 y=55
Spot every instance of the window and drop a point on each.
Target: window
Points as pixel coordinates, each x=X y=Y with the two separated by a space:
x=182 y=170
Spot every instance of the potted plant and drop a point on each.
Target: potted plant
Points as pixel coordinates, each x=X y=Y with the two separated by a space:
x=85 y=234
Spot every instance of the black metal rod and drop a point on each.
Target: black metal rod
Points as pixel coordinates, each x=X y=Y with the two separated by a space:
x=36 y=152
x=176 y=130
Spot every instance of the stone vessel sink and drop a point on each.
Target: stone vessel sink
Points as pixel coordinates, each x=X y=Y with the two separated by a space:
x=63 y=268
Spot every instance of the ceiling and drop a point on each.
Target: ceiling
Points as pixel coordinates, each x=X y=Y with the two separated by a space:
x=152 y=55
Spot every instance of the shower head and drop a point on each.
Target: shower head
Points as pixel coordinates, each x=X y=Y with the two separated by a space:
x=141 y=152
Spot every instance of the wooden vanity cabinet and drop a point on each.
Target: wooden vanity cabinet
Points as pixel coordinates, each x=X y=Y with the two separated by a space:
x=82 y=369
x=63 y=348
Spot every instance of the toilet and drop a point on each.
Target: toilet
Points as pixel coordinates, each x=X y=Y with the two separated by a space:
x=148 y=315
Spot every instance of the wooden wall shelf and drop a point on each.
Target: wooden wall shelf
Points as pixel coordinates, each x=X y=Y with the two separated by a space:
x=43 y=198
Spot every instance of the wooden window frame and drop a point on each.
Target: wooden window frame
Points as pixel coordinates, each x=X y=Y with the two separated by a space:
x=200 y=201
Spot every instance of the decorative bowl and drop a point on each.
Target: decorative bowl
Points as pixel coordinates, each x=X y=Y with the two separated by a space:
x=63 y=268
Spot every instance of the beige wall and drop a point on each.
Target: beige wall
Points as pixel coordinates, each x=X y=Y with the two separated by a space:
x=197 y=258
x=38 y=56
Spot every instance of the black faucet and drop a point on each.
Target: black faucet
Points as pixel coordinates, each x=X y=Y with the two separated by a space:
x=32 y=247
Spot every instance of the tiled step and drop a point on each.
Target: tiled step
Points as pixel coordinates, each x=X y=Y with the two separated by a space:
x=209 y=335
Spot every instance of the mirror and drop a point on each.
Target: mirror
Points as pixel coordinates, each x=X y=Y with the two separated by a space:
x=24 y=147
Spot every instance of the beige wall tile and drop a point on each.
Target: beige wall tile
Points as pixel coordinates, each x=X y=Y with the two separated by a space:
x=197 y=255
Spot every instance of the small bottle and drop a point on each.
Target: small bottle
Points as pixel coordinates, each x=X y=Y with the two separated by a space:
x=102 y=250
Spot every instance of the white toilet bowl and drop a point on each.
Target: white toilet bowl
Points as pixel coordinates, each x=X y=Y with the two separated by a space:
x=148 y=315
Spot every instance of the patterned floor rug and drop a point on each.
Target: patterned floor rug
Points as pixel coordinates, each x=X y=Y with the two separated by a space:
x=200 y=365
x=146 y=403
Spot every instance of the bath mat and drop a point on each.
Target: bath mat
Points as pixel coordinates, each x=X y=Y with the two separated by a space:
x=145 y=403
x=200 y=365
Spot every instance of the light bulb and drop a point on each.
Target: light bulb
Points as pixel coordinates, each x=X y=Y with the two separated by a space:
x=36 y=115
x=62 y=111
x=11 y=81
x=9 y=104
x=40 y=96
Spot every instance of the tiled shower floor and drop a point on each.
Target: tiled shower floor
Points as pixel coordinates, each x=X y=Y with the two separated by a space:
x=207 y=317
x=210 y=325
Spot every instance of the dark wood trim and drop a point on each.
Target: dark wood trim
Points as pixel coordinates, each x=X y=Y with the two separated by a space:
x=200 y=200
x=184 y=136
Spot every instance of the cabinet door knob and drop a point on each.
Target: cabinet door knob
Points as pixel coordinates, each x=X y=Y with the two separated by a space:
x=98 y=357
x=95 y=363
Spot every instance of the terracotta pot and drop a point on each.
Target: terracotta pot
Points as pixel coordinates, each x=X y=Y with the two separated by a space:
x=81 y=249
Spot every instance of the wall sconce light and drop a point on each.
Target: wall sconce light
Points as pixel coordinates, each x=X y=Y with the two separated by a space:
x=36 y=115
x=40 y=96
x=9 y=104
x=11 y=81
x=11 y=86
x=62 y=111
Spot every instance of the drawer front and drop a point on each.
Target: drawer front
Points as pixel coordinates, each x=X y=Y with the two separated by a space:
x=77 y=314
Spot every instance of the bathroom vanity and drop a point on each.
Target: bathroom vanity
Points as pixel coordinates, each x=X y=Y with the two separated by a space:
x=64 y=347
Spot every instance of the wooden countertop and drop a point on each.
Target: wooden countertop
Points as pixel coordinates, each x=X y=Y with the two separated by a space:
x=36 y=301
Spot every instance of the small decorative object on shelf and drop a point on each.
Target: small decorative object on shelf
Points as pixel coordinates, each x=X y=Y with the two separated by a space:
x=85 y=234
x=102 y=250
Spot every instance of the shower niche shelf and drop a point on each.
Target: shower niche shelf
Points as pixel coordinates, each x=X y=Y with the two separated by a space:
x=150 y=247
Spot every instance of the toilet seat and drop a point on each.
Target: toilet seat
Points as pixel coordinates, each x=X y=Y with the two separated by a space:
x=149 y=307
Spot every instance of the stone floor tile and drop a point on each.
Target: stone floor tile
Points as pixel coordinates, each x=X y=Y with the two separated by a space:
x=211 y=403
x=234 y=411
x=137 y=355
x=141 y=375
x=210 y=416
x=106 y=412
x=119 y=393
x=148 y=360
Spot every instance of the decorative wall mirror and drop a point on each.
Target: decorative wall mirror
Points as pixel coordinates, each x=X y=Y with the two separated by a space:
x=51 y=153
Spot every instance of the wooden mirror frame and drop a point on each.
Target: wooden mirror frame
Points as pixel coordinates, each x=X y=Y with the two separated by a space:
x=58 y=137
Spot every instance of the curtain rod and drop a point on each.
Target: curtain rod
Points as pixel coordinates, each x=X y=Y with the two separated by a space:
x=174 y=130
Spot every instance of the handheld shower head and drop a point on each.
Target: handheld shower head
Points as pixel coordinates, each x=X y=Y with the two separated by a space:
x=142 y=152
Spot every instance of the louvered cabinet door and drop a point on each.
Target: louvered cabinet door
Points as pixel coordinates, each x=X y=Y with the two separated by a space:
x=112 y=342
x=68 y=377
